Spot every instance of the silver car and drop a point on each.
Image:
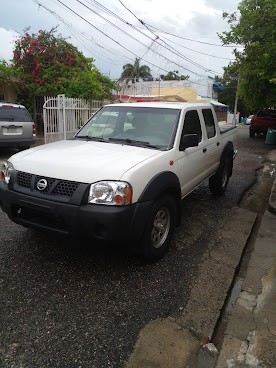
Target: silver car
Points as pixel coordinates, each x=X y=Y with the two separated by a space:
x=17 y=128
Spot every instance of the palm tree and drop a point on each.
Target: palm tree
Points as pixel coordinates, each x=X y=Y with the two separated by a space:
x=135 y=71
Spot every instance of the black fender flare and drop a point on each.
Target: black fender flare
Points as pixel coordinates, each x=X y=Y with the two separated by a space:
x=228 y=151
x=165 y=182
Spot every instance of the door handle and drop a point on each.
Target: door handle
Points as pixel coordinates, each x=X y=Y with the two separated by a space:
x=204 y=150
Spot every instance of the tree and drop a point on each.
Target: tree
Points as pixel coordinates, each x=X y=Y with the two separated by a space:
x=133 y=72
x=48 y=64
x=90 y=84
x=6 y=73
x=173 y=75
x=228 y=95
x=255 y=31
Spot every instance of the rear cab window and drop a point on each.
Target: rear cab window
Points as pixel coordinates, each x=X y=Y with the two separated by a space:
x=209 y=123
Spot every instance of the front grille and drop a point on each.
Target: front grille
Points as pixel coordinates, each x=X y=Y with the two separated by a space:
x=66 y=188
x=58 y=187
x=24 y=179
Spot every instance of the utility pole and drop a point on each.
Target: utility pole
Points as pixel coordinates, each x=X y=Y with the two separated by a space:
x=236 y=100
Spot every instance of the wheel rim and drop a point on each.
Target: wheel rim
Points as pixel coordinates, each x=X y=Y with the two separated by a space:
x=161 y=227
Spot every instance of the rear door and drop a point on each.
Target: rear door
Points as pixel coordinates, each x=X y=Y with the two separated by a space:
x=193 y=161
x=15 y=123
x=212 y=144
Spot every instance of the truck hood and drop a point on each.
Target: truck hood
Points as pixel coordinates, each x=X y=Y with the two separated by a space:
x=83 y=161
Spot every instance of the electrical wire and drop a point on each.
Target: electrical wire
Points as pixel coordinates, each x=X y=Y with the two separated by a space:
x=170 y=47
x=118 y=43
x=73 y=30
x=158 y=67
x=156 y=38
x=121 y=19
x=188 y=39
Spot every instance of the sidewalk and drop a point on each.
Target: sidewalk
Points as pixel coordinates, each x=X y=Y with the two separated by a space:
x=249 y=341
x=250 y=337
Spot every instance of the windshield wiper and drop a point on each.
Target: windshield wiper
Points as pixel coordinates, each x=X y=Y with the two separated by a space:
x=133 y=142
x=91 y=138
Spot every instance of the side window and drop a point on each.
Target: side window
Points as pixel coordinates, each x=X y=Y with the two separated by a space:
x=192 y=124
x=209 y=122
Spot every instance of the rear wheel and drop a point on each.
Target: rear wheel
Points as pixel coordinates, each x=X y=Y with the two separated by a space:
x=159 y=229
x=219 y=181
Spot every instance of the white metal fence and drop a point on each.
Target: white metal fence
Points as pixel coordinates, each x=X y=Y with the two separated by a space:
x=63 y=116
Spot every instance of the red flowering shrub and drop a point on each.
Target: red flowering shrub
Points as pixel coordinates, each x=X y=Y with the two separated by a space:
x=46 y=63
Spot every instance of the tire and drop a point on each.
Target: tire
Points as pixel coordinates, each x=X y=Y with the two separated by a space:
x=159 y=230
x=251 y=134
x=219 y=181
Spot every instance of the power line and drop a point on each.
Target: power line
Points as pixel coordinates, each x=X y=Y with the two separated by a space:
x=73 y=31
x=199 y=52
x=175 y=51
x=188 y=39
x=158 y=67
x=169 y=46
x=148 y=47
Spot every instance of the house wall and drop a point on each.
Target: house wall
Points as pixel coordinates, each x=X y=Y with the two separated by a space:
x=204 y=87
x=201 y=86
x=145 y=88
x=8 y=93
x=186 y=93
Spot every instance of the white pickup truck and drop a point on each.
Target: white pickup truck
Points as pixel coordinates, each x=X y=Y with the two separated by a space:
x=123 y=175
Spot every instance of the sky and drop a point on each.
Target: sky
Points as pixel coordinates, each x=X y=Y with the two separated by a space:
x=166 y=35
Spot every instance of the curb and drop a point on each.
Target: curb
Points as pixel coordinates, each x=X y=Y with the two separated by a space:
x=183 y=340
x=249 y=339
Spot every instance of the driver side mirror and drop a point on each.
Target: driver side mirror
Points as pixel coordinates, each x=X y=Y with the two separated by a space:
x=188 y=140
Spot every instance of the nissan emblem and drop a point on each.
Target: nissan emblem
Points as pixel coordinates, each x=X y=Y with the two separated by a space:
x=41 y=184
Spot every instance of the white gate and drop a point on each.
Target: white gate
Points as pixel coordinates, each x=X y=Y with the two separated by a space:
x=63 y=116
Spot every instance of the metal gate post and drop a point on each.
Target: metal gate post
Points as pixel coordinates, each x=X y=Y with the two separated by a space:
x=45 y=120
x=61 y=115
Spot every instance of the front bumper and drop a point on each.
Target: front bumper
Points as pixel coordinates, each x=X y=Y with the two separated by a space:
x=92 y=220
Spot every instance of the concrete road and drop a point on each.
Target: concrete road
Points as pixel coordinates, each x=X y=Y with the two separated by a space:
x=83 y=305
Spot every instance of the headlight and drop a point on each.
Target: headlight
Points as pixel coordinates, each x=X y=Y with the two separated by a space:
x=116 y=193
x=5 y=173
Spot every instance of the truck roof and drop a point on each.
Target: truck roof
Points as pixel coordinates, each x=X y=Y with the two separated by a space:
x=167 y=105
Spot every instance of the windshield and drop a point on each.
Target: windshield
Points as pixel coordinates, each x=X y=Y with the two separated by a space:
x=155 y=127
x=10 y=113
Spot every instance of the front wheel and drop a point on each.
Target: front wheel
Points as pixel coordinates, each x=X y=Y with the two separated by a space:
x=159 y=229
x=251 y=134
x=219 y=181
